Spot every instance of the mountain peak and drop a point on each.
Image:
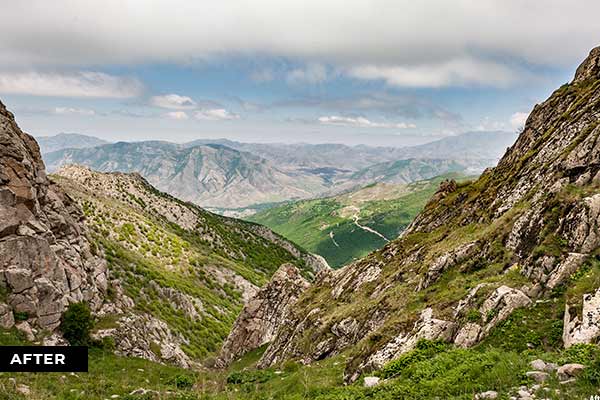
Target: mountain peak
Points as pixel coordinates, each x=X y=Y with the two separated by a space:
x=590 y=67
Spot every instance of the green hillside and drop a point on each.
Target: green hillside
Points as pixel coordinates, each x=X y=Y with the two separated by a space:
x=351 y=225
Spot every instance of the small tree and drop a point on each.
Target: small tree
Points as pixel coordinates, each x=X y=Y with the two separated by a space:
x=76 y=324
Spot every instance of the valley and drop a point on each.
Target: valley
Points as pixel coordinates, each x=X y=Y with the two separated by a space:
x=348 y=226
x=363 y=273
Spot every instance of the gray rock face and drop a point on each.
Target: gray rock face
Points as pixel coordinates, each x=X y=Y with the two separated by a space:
x=46 y=260
x=147 y=337
x=263 y=314
x=586 y=328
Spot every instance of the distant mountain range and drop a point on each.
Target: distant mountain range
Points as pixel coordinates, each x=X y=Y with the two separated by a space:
x=67 y=140
x=225 y=175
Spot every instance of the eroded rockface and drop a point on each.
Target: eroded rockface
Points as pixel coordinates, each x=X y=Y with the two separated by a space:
x=263 y=314
x=524 y=227
x=45 y=258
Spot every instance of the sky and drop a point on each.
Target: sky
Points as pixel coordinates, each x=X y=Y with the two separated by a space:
x=378 y=72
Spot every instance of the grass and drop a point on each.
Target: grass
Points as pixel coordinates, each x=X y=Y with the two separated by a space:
x=387 y=209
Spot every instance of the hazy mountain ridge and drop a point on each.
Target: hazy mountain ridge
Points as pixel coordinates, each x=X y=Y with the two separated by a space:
x=225 y=175
x=61 y=141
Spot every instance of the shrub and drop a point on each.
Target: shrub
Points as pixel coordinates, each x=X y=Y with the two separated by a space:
x=424 y=350
x=181 y=381
x=21 y=316
x=76 y=324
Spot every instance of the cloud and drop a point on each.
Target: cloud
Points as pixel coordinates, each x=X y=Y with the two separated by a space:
x=73 y=111
x=344 y=33
x=173 y=101
x=387 y=104
x=461 y=72
x=179 y=115
x=312 y=74
x=76 y=84
x=215 y=114
x=361 y=122
x=518 y=119
x=263 y=75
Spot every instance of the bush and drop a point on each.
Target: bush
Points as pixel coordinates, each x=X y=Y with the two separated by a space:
x=182 y=381
x=425 y=349
x=76 y=324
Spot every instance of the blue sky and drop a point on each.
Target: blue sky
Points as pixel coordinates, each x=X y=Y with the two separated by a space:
x=381 y=72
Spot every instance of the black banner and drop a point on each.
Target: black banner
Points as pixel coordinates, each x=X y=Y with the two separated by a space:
x=43 y=359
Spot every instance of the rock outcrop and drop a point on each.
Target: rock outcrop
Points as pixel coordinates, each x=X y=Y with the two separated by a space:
x=476 y=253
x=263 y=314
x=45 y=258
x=586 y=328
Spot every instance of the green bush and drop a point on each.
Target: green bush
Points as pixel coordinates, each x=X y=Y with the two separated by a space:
x=252 y=376
x=76 y=324
x=21 y=316
x=425 y=349
x=181 y=381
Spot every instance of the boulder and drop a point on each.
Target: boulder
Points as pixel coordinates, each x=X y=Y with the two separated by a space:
x=569 y=371
x=371 y=381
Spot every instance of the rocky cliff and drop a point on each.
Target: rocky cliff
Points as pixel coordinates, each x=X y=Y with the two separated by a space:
x=526 y=230
x=263 y=314
x=45 y=257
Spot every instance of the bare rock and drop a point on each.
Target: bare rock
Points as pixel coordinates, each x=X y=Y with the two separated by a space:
x=263 y=314
x=490 y=394
x=7 y=319
x=586 y=330
x=468 y=335
x=569 y=371
x=537 y=376
x=45 y=252
x=371 y=381
x=500 y=304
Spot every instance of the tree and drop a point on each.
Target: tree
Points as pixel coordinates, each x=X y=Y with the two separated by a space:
x=76 y=324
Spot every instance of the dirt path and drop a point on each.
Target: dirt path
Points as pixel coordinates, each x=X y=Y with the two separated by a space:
x=366 y=228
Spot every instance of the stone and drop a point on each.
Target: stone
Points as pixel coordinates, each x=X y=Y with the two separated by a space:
x=586 y=330
x=537 y=376
x=25 y=328
x=538 y=365
x=567 y=371
x=18 y=279
x=23 y=389
x=263 y=314
x=371 y=381
x=467 y=335
x=490 y=394
x=7 y=319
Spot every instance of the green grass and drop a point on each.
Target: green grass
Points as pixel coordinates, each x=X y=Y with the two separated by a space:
x=387 y=209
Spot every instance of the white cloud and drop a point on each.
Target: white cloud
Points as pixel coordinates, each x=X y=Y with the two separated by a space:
x=263 y=75
x=173 y=101
x=461 y=72
x=215 y=114
x=344 y=33
x=77 y=84
x=73 y=111
x=518 y=119
x=361 y=122
x=179 y=115
x=312 y=73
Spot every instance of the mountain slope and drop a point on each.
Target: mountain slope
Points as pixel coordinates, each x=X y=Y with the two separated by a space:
x=210 y=175
x=181 y=270
x=61 y=141
x=351 y=225
x=524 y=231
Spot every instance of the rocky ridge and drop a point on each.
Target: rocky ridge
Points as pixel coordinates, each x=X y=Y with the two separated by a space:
x=46 y=260
x=476 y=253
x=263 y=314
